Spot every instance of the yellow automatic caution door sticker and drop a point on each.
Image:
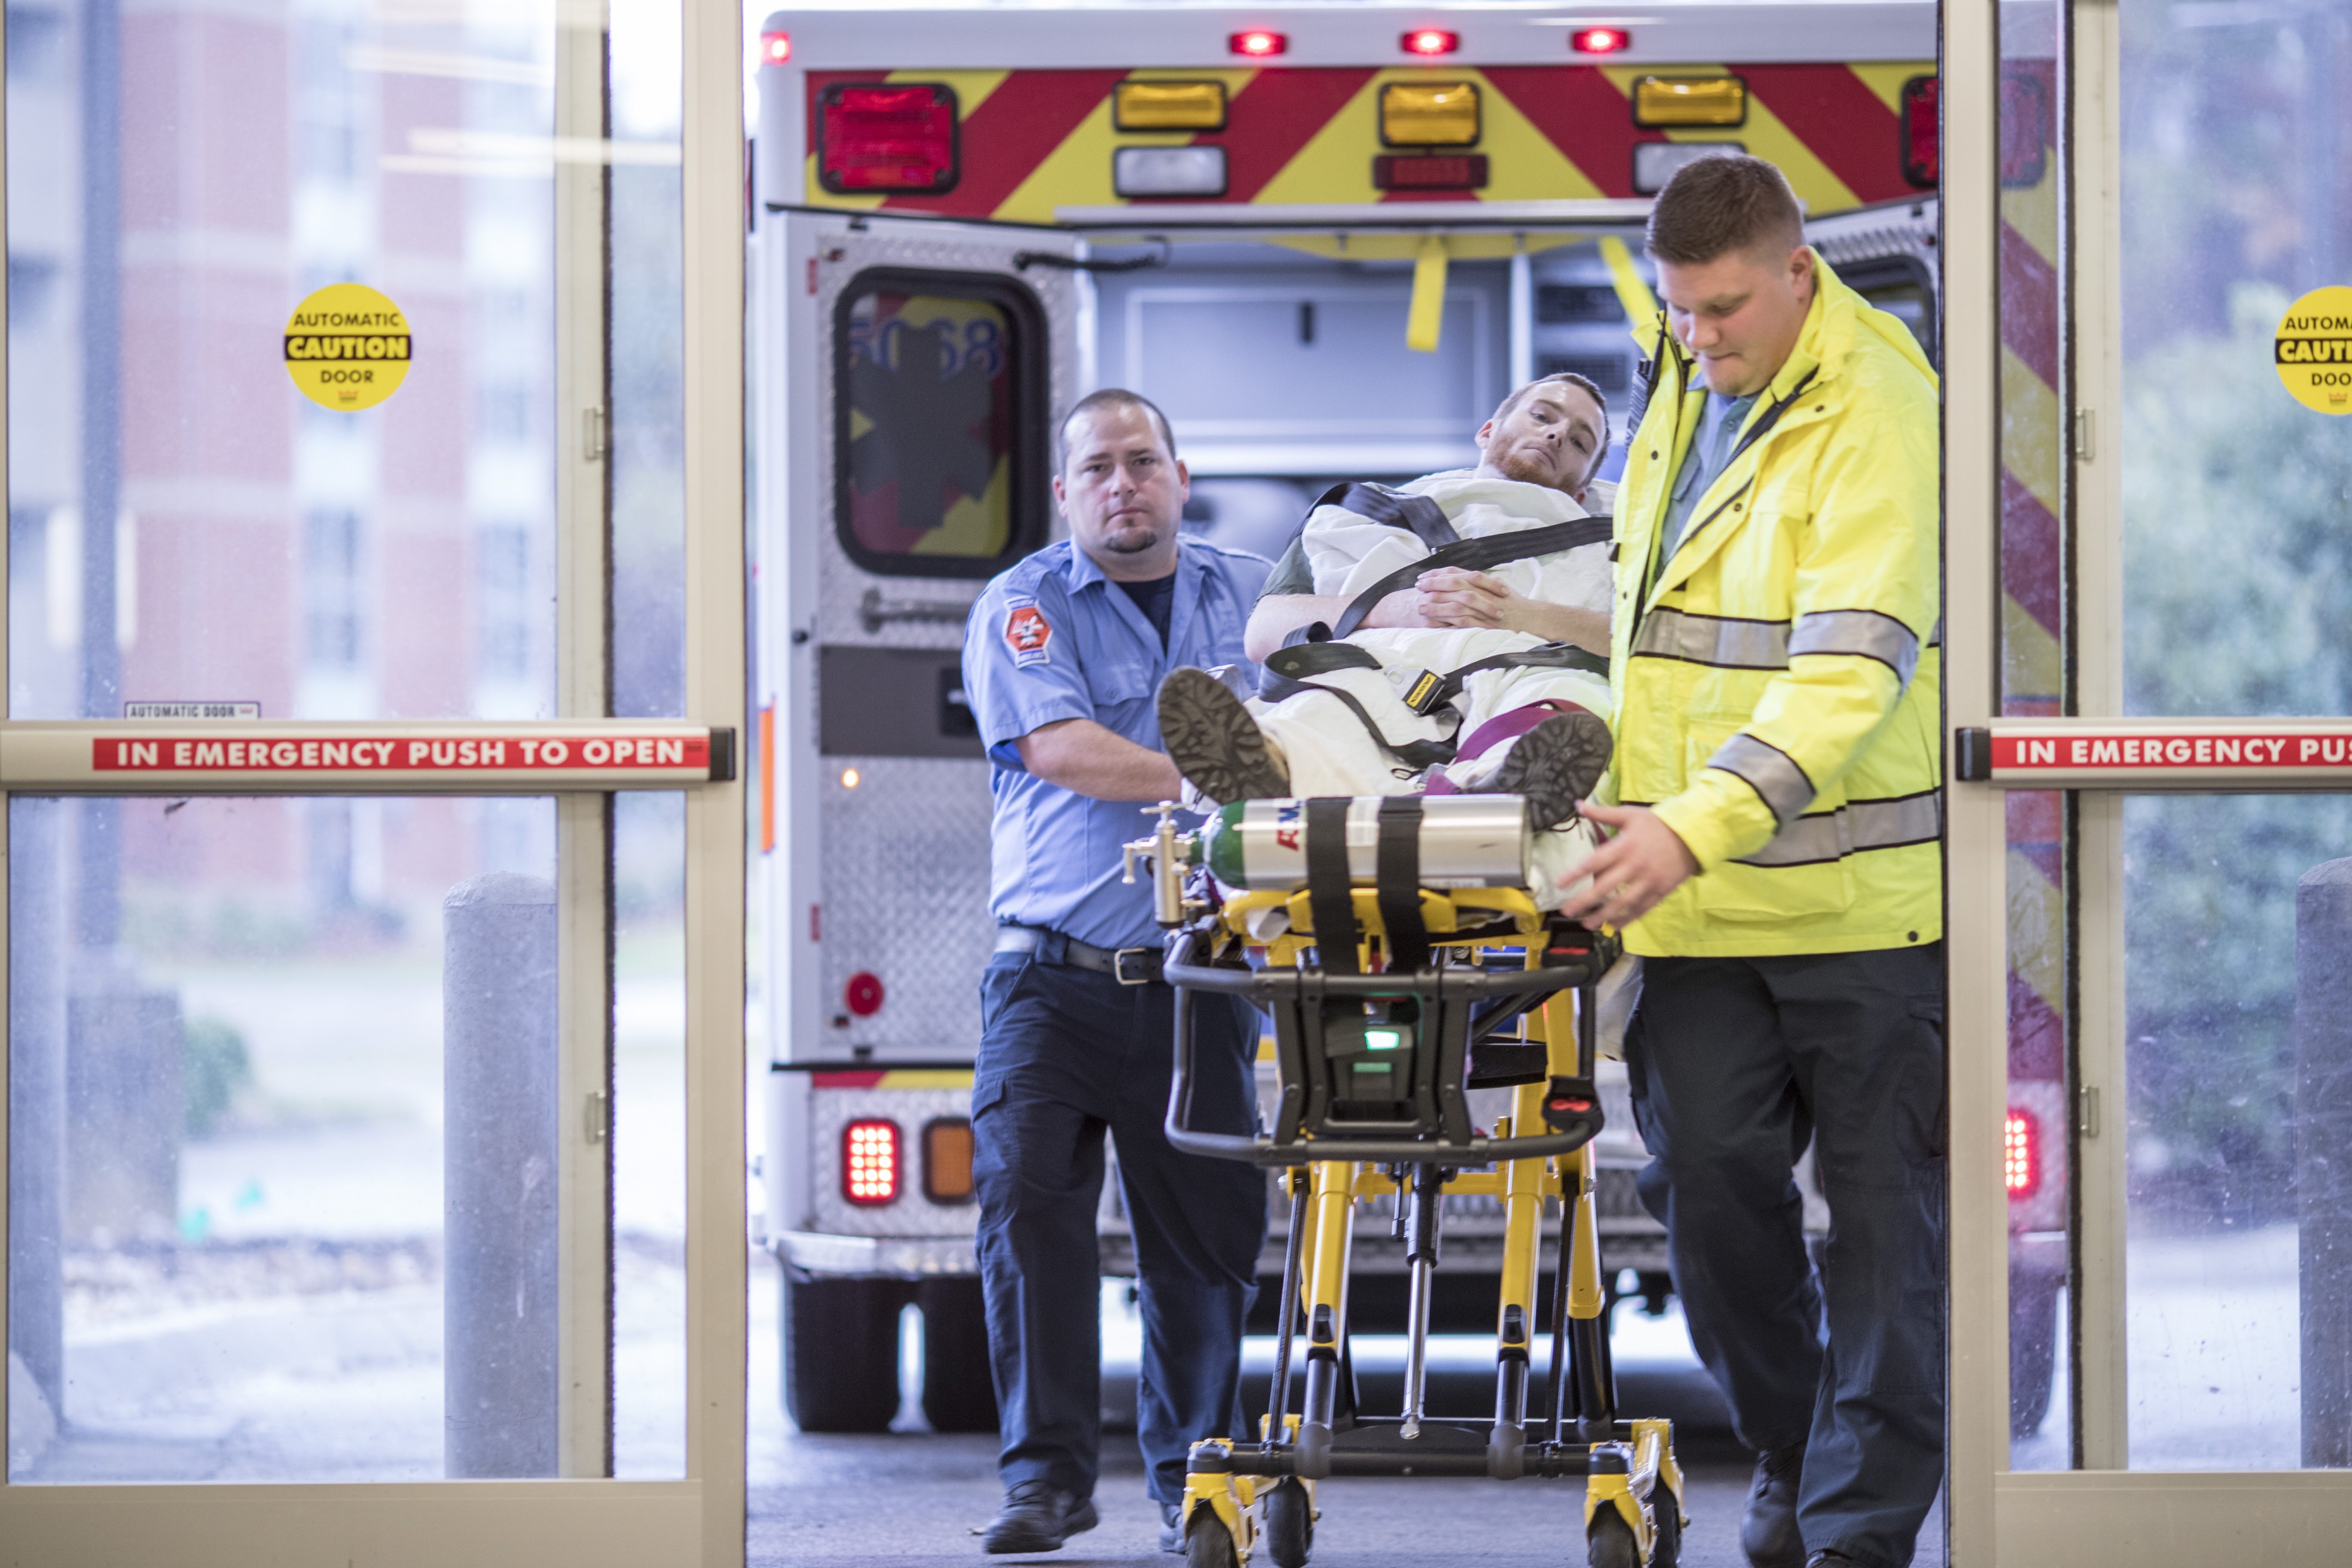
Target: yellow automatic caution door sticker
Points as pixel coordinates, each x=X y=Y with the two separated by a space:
x=2315 y=349
x=347 y=347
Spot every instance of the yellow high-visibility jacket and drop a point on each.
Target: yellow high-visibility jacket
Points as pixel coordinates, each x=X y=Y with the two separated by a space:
x=1776 y=681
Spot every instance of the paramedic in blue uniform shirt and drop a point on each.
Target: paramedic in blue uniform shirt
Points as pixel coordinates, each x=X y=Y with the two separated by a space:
x=1062 y=656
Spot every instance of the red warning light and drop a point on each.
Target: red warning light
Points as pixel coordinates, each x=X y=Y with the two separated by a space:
x=1599 y=41
x=1431 y=41
x=775 y=49
x=1257 y=42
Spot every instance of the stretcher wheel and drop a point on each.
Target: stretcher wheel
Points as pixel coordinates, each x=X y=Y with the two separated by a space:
x=1609 y=1542
x=1207 y=1542
x=1666 y=1516
x=1289 y=1525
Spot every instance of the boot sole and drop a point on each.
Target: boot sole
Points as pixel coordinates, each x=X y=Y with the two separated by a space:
x=1214 y=742
x=1554 y=765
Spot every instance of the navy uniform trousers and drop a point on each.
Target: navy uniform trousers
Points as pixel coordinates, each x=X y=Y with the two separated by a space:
x=1736 y=1063
x=1067 y=1054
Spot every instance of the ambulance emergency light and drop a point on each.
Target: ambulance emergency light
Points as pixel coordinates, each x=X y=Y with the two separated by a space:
x=775 y=49
x=1665 y=101
x=1428 y=114
x=1168 y=106
x=877 y=136
x=1429 y=41
x=1599 y=41
x=1257 y=42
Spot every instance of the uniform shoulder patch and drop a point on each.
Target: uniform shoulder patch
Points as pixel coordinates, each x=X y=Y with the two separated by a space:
x=1028 y=633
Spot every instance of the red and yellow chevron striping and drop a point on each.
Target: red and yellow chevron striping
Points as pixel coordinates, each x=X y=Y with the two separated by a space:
x=1033 y=141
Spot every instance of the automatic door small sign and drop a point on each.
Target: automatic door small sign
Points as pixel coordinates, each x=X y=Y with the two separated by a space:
x=2315 y=349
x=347 y=347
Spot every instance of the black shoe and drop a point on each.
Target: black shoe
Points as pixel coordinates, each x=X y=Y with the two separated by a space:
x=1037 y=1516
x=1171 y=1529
x=1555 y=765
x=1214 y=742
x=1767 y=1530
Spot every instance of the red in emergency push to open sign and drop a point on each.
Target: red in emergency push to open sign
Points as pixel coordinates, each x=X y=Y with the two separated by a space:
x=2068 y=754
x=344 y=754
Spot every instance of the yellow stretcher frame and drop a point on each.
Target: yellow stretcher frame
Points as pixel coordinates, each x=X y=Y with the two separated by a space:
x=1642 y=1489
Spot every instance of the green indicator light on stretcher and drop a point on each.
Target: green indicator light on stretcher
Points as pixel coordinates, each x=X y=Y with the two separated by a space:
x=1383 y=1039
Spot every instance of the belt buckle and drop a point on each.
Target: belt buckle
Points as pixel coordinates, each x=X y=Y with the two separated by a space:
x=1119 y=970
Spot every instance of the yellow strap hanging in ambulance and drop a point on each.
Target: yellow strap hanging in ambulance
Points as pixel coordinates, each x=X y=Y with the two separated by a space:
x=1427 y=312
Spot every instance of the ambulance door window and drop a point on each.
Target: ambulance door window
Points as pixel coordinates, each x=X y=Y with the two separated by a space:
x=940 y=427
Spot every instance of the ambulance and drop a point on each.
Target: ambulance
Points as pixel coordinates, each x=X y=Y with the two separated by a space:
x=1326 y=239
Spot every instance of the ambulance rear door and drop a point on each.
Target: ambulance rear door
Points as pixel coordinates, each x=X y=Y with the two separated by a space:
x=916 y=366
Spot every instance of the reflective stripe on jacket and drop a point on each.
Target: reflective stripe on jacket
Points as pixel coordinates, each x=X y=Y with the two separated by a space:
x=1776 y=681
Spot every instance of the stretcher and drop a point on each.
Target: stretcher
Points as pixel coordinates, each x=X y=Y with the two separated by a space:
x=1422 y=993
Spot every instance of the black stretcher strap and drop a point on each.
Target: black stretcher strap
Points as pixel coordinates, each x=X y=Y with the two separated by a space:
x=1477 y=555
x=1418 y=515
x=1328 y=882
x=1396 y=883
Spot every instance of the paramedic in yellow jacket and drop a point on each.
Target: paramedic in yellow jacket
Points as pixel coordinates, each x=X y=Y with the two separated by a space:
x=1774 y=798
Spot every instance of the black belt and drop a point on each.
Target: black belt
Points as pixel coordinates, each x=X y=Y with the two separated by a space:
x=1128 y=965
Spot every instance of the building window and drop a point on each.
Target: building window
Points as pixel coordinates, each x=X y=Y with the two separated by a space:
x=332 y=545
x=504 y=564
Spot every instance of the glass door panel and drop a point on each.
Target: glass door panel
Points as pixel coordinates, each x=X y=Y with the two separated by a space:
x=287 y=1155
x=2237 y=562
x=299 y=306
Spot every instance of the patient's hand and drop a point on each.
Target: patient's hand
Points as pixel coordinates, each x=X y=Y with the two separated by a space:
x=1452 y=596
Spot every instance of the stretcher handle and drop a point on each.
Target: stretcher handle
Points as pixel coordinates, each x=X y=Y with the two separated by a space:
x=1266 y=986
x=1259 y=1148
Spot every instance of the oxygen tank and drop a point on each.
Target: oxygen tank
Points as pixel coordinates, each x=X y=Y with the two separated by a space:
x=1466 y=841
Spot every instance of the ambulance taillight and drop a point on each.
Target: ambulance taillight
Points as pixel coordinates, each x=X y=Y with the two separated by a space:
x=1923 y=152
x=2021 y=1160
x=775 y=49
x=895 y=136
x=871 y=1164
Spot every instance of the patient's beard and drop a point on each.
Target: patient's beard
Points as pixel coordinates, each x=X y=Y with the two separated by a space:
x=1529 y=469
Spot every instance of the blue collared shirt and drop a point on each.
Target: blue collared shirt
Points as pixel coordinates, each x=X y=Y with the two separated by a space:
x=1054 y=639
x=1708 y=455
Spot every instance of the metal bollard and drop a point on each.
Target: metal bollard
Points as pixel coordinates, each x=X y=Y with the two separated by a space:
x=498 y=1160
x=2323 y=1104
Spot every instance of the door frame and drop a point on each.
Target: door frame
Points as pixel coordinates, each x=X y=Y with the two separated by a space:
x=2105 y=1513
x=574 y=1523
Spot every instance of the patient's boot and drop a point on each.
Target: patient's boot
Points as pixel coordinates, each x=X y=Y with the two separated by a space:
x=1215 y=743
x=1555 y=765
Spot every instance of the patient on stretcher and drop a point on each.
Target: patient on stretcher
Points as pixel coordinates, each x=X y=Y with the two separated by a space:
x=1454 y=639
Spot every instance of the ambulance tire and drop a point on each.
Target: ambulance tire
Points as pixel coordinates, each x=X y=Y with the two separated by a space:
x=958 y=1393
x=1609 y=1542
x=2033 y=1352
x=841 y=1352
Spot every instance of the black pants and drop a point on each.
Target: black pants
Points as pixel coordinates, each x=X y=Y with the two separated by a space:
x=1736 y=1064
x=1064 y=1055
